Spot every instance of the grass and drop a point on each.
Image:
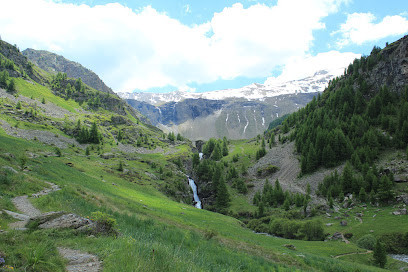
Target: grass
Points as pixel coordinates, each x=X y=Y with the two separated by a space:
x=38 y=92
x=158 y=234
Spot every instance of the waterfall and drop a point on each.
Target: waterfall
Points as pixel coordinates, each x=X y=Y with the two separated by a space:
x=200 y=155
x=194 y=188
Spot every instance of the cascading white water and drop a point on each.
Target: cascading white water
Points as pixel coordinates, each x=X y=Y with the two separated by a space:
x=194 y=188
x=200 y=155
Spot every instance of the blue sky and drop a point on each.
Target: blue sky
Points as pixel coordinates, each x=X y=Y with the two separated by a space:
x=196 y=45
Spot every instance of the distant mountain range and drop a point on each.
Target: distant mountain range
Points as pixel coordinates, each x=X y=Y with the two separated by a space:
x=255 y=91
x=234 y=113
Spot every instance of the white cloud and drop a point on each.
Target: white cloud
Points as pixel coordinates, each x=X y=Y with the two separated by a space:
x=145 y=48
x=187 y=9
x=361 y=27
x=333 y=62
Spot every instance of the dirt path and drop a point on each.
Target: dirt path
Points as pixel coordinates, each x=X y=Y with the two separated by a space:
x=353 y=253
x=79 y=261
x=24 y=205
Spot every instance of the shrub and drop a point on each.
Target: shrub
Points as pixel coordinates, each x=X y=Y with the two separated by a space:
x=6 y=177
x=58 y=152
x=209 y=233
x=313 y=231
x=368 y=241
x=104 y=224
x=348 y=235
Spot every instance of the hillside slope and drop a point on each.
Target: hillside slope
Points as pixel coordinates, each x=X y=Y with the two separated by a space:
x=54 y=63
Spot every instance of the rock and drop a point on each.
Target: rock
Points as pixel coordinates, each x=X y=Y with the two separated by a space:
x=343 y=223
x=329 y=224
x=107 y=156
x=17 y=216
x=374 y=215
x=70 y=220
x=41 y=219
x=403 y=199
x=396 y=213
x=336 y=236
x=337 y=217
x=9 y=168
x=289 y=246
x=359 y=214
x=328 y=215
x=371 y=231
x=403 y=211
x=345 y=204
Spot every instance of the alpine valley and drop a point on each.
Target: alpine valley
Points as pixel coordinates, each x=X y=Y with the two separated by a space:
x=303 y=175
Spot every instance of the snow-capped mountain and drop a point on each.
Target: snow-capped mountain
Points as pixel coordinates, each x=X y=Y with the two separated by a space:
x=255 y=91
x=234 y=113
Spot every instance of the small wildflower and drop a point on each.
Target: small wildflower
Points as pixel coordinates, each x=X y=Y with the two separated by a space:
x=2 y=261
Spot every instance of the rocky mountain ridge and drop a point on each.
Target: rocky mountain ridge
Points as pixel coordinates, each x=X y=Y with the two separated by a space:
x=256 y=91
x=54 y=63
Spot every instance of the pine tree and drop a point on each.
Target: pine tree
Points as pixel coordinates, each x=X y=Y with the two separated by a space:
x=196 y=160
x=216 y=154
x=379 y=254
x=224 y=147
x=87 y=151
x=120 y=167
x=222 y=199
x=272 y=140
x=11 y=88
x=94 y=134
x=347 y=178
x=385 y=189
x=362 y=195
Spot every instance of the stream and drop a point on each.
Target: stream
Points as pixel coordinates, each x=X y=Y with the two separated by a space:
x=194 y=188
x=399 y=257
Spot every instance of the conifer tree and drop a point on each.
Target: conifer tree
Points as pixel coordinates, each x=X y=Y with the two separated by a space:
x=222 y=199
x=362 y=195
x=224 y=147
x=11 y=88
x=379 y=254
x=94 y=134
x=216 y=154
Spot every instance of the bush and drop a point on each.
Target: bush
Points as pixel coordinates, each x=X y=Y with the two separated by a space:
x=104 y=224
x=6 y=177
x=208 y=234
x=313 y=231
x=368 y=241
x=396 y=243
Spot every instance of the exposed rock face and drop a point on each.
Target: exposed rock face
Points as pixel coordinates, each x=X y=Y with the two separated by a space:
x=13 y=53
x=55 y=63
x=201 y=119
x=392 y=69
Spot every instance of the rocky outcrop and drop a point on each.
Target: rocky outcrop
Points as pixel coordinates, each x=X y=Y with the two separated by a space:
x=54 y=63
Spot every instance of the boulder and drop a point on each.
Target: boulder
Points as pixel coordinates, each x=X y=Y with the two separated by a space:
x=289 y=246
x=45 y=217
x=107 y=155
x=343 y=223
x=336 y=236
x=402 y=199
x=9 y=168
x=70 y=220
x=359 y=215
